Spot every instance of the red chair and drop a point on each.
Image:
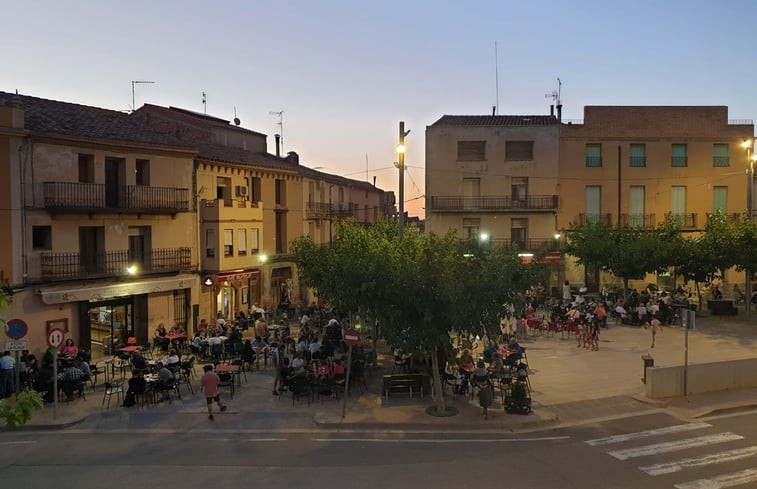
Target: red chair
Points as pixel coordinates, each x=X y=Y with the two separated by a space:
x=131 y=341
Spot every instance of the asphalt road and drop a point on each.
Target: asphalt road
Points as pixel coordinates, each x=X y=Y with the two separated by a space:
x=650 y=451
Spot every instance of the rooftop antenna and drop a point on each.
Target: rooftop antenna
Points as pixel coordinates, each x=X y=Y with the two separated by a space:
x=555 y=95
x=236 y=119
x=204 y=104
x=134 y=82
x=496 y=79
x=280 y=113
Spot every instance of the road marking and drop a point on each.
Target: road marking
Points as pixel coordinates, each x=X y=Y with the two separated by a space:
x=429 y=440
x=266 y=439
x=16 y=442
x=675 y=445
x=713 y=458
x=722 y=481
x=644 y=434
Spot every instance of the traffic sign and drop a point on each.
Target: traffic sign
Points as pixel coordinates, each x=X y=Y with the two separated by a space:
x=17 y=345
x=351 y=337
x=16 y=329
x=55 y=338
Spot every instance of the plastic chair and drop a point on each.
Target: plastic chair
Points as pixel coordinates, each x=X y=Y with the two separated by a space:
x=227 y=380
x=131 y=341
x=113 y=389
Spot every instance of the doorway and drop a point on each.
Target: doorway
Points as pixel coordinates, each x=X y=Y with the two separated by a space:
x=111 y=324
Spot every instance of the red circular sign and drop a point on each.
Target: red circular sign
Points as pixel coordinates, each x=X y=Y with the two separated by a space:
x=351 y=337
x=55 y=337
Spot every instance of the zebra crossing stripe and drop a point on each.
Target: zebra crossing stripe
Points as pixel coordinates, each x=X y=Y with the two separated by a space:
x=721 y=481
x=644 y=434
x=675 y=445
x=712 y=458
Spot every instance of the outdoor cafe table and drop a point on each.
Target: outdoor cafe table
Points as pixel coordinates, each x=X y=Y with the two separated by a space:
x=130 y=349
x=230 y=369
x=176 y=337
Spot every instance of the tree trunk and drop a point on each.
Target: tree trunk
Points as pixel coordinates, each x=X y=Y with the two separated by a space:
x=699 y=296
x=440 y=407
x=625 y=291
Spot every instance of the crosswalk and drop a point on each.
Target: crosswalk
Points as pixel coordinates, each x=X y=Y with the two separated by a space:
x=653 y=443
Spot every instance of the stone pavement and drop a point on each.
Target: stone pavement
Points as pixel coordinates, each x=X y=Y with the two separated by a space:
x=570 y=385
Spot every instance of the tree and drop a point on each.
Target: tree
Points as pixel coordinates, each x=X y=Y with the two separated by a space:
x=421 y=288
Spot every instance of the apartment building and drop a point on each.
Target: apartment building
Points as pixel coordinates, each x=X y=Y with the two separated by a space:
x=641 y=165
x=98 y=217
x=494 y=178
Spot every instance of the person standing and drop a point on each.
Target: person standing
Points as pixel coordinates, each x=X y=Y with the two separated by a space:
x=566 y=295
x=656 y=327
x=6 y=375
x=209 y=383
x=279 y=355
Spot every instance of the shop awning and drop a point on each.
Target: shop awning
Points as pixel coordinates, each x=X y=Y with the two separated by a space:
x=238 y=274
x=103 y=290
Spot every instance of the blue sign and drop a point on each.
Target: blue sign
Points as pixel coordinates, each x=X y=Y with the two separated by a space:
x=16 y=329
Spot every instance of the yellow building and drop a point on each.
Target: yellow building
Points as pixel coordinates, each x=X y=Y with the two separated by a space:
x=98 y=217
x=494 y=178
x=641 y=165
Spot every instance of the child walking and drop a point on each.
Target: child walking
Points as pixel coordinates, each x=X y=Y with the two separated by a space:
x=656 y=327
x=209 y=383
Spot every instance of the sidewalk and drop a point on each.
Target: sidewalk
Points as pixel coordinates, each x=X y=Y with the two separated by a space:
x=570 y=385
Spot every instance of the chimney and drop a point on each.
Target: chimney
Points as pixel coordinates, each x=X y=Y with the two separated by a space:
x=559 y=112
x=374 y=180
x=293 y=158
x=494 y=110
x=552 y=110
x=278 y=144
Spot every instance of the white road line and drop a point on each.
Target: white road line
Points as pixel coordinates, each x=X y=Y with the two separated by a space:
x=712 y=458
x=644 y=434
x=266 y=439
x=16 y=442
x=423 y=440
x=722 y=481
x=675 y=445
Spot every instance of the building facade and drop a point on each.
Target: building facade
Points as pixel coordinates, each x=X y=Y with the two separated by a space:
x=101 y=235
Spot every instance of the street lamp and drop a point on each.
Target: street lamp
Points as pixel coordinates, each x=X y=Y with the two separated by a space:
x=401 y=166
x=750 y=158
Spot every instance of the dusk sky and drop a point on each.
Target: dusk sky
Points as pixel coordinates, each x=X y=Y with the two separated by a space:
x=346 y=72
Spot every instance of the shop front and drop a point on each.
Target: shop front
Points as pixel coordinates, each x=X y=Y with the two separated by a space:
x=235 y=291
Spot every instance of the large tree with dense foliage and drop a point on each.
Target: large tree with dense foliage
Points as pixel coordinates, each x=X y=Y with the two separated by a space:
x=420 y=288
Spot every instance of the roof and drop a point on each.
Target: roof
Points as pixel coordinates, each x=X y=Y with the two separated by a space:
x=496 y=120
x=194 y=118
x=229 y=154
x=68 y=119
x=336 y=179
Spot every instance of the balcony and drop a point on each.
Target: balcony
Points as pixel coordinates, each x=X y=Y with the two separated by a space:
x=679 y=161
x=68 y=266
x=638 y=220
x=584 y=219
x=326 y=210
x=91 y=197
x=493 y=204
x=216 y=210
x=686 y=221
x=721 y=161
x=530 y=244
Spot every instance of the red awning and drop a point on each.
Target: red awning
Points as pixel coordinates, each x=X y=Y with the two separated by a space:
x=239 y=274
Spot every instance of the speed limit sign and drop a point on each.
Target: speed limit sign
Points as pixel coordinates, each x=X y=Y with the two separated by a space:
x=55 y=338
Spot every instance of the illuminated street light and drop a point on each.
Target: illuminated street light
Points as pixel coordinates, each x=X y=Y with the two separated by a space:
x=263 y=258
x=131 y=270
x=400 y=148
x=557 y=235
x=750 y=159
x=484 y=237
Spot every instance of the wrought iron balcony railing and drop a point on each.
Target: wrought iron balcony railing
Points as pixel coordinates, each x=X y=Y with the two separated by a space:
x=686 y=221
x=530 y=244
x=638 y=220
x=586 y=218
x=326 y=210
x=72 y=265
x=530 y=203
x=92 y=197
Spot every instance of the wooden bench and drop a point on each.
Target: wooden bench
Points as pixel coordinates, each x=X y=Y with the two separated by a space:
x=395 y=383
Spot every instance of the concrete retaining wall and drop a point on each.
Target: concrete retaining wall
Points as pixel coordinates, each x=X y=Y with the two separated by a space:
x=704 y=377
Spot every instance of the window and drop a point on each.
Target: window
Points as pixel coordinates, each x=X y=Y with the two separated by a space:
x=471 y=225
x=720 y=155
x=471 y=150
x=678 y=155
x=519 y=232
x=254 y=240
x=86 y=168
x=223 y=190
x=143 y=172
x=92 y=250
x=256 y=196
x=228 y=242
x=593 y=203
x=471 y=193
x=678 y=204
x=140 y=246
x=210 y=243
x=593 y=154
x=241 y=242
x=720 y=199
x=519 y=188
x=280 y=229
x=519 y=150
x=280 y=192
x=42 y=237
x=638 y=155
x=637 y=206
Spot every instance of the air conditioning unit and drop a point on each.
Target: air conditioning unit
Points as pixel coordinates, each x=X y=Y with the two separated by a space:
x=242 y=191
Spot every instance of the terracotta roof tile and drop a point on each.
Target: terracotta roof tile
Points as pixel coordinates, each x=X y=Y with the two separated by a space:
x=496 y=120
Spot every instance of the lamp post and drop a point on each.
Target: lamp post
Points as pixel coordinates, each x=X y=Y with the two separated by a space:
x=750 y=157
x=401 y=167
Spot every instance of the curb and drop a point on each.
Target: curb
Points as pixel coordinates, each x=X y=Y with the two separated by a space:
x=43 y=427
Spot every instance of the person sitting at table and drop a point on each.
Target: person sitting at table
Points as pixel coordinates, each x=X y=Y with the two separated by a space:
x=315 y=348
x=176 y=329
x=513 y=346
x=173 y=358
x=138 y=361
x=302 y=344
x=196 y=345
x=489 y=351
x=261 y=328
x=203 y=326
x=81 y=364
x=497 y=367
x=466 y=362
x=44 y=381
x=215 y=344
x=69 y=349
x=160 y=337
x=165 y=381
x=71 y=381
x=480 y=370
x=137 y=386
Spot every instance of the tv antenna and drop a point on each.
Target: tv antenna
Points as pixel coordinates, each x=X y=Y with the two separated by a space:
x=204 y=104
x=555 y=95
x=496 y=80
x=134 y=82
x=236 y=119
x=280 y=114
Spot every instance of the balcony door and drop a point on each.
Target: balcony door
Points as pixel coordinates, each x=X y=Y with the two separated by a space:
x=519 y=233
x=471 y=193
x=139 y=247
x=637 y=206
x=92 y=250
x=115 y=180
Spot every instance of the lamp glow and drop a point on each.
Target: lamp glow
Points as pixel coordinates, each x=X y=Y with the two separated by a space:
x=263 y=258
x=131 y=270
x=747 y=143
x=400 y=148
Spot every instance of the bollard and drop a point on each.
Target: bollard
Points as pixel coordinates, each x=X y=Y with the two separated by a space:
x=648 y=362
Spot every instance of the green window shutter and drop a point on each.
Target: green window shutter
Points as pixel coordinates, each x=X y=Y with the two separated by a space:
x=638 y=155
x=719 y=199
x=720 y=155
x=593 y=155
x=678 y=155
x=637 y=206
x=593 y=203
x=678 y=201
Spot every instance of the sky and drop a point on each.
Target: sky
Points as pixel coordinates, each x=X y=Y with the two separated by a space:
x=345 y=73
